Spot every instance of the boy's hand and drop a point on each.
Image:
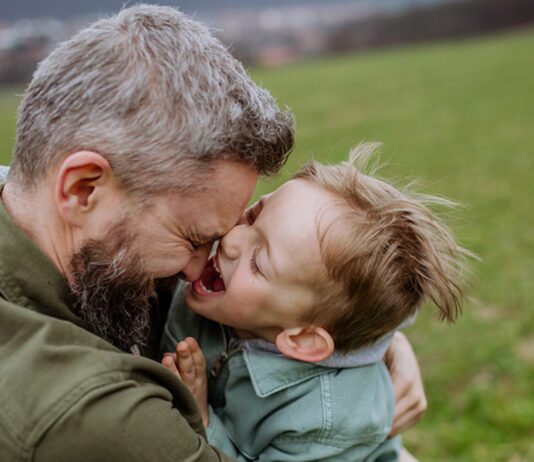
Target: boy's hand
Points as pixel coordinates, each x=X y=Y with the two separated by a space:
x=410 y=399
x=190 y=366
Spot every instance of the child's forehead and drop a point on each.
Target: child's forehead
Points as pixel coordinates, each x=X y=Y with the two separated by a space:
x=302 y=204
x=300 y=214
x=303 y=194
x=324 y=204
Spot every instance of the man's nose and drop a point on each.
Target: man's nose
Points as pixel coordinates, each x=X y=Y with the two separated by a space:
x=197 y=263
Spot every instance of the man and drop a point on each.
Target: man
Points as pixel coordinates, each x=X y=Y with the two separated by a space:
x=139 y=142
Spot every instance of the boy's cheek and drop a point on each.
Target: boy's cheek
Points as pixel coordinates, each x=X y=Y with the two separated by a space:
x=245 y=288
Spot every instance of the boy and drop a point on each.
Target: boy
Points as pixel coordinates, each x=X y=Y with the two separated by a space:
x=308 y=289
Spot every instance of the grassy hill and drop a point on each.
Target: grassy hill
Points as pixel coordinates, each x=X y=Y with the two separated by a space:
x=460 y=117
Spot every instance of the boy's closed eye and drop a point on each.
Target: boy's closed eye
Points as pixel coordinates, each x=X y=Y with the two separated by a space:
x=254 y=267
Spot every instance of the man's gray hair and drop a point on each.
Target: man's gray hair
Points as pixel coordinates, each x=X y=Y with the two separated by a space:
x=157 y=95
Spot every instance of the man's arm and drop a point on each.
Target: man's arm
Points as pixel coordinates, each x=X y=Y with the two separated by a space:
x=410 y=399
x=126 y=420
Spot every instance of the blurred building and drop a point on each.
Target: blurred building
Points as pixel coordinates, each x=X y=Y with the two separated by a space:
x=278 y=35
x=25 y=42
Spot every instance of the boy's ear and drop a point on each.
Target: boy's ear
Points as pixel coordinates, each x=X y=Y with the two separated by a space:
x=80 y=177
x=311 y=344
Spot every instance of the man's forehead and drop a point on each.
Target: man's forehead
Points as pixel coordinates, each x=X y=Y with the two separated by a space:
x=217 y=205
x=231 y=186
x=215 y=225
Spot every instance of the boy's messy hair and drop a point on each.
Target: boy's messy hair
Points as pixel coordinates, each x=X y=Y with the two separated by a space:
x=385 y=254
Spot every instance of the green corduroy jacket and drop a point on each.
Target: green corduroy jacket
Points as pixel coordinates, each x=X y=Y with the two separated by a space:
x=66 y=395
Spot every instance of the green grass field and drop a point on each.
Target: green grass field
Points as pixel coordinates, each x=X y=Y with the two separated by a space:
x=460 y=117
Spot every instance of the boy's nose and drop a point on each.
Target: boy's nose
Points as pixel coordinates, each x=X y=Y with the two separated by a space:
x=232 y=242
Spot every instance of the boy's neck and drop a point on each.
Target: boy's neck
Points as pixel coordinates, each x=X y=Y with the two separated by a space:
x=269 y=335
x=244 y=335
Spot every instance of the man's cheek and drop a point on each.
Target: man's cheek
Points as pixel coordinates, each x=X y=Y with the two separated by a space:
x=170 y=263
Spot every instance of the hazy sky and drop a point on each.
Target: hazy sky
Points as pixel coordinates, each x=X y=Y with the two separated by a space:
x=16 y=9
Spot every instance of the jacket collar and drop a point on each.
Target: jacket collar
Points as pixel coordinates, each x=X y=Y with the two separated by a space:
x=27 y=276
x=271 y=372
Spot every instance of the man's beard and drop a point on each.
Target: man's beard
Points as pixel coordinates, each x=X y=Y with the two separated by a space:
x=113 y=290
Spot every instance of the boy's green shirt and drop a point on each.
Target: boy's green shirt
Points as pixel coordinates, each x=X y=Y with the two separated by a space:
x=66 y=394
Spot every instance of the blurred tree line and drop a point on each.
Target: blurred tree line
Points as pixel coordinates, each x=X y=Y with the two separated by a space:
x=462 y=18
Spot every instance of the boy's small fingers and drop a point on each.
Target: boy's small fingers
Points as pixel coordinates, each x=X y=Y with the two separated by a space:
x=170 y=364
x=197 y=355
x=193 y=344
x=166 y=361
x=182 y=348
x=198 y=358
x=186 y=364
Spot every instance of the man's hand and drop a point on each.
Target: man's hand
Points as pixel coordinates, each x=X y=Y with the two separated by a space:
x=189 y=365
x=410 y=399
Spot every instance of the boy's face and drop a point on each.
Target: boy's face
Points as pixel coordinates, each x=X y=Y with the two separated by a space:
x=263 y=276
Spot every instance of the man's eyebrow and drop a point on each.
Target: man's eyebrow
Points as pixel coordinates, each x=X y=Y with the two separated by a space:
x=211 y=238
x=203 y=238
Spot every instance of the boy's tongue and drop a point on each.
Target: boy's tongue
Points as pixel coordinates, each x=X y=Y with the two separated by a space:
x=218 y=285
x=210 y=279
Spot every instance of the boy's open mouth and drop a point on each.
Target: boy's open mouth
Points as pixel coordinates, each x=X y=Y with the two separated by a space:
x=210 y=283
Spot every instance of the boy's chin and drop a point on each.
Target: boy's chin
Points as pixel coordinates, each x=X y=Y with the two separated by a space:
x=203 y=306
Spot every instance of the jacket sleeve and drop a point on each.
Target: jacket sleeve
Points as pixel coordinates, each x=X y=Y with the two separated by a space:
x=219 y=438
x=124 y=421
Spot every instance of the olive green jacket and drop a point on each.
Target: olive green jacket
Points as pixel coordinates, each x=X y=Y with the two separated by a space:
x=66 y=395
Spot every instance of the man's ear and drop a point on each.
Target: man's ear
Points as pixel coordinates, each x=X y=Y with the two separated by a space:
x=311 y=344
x=80 y=179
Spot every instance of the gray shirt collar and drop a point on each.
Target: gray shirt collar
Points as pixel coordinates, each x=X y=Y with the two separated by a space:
x=361 y=357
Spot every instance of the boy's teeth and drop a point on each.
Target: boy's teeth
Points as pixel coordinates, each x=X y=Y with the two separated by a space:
x=205 y=288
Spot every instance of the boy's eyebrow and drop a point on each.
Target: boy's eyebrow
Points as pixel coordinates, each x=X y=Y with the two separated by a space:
x=260 y=202
x=271 y=266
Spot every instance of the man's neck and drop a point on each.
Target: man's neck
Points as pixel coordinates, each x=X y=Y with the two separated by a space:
x=34 y=214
